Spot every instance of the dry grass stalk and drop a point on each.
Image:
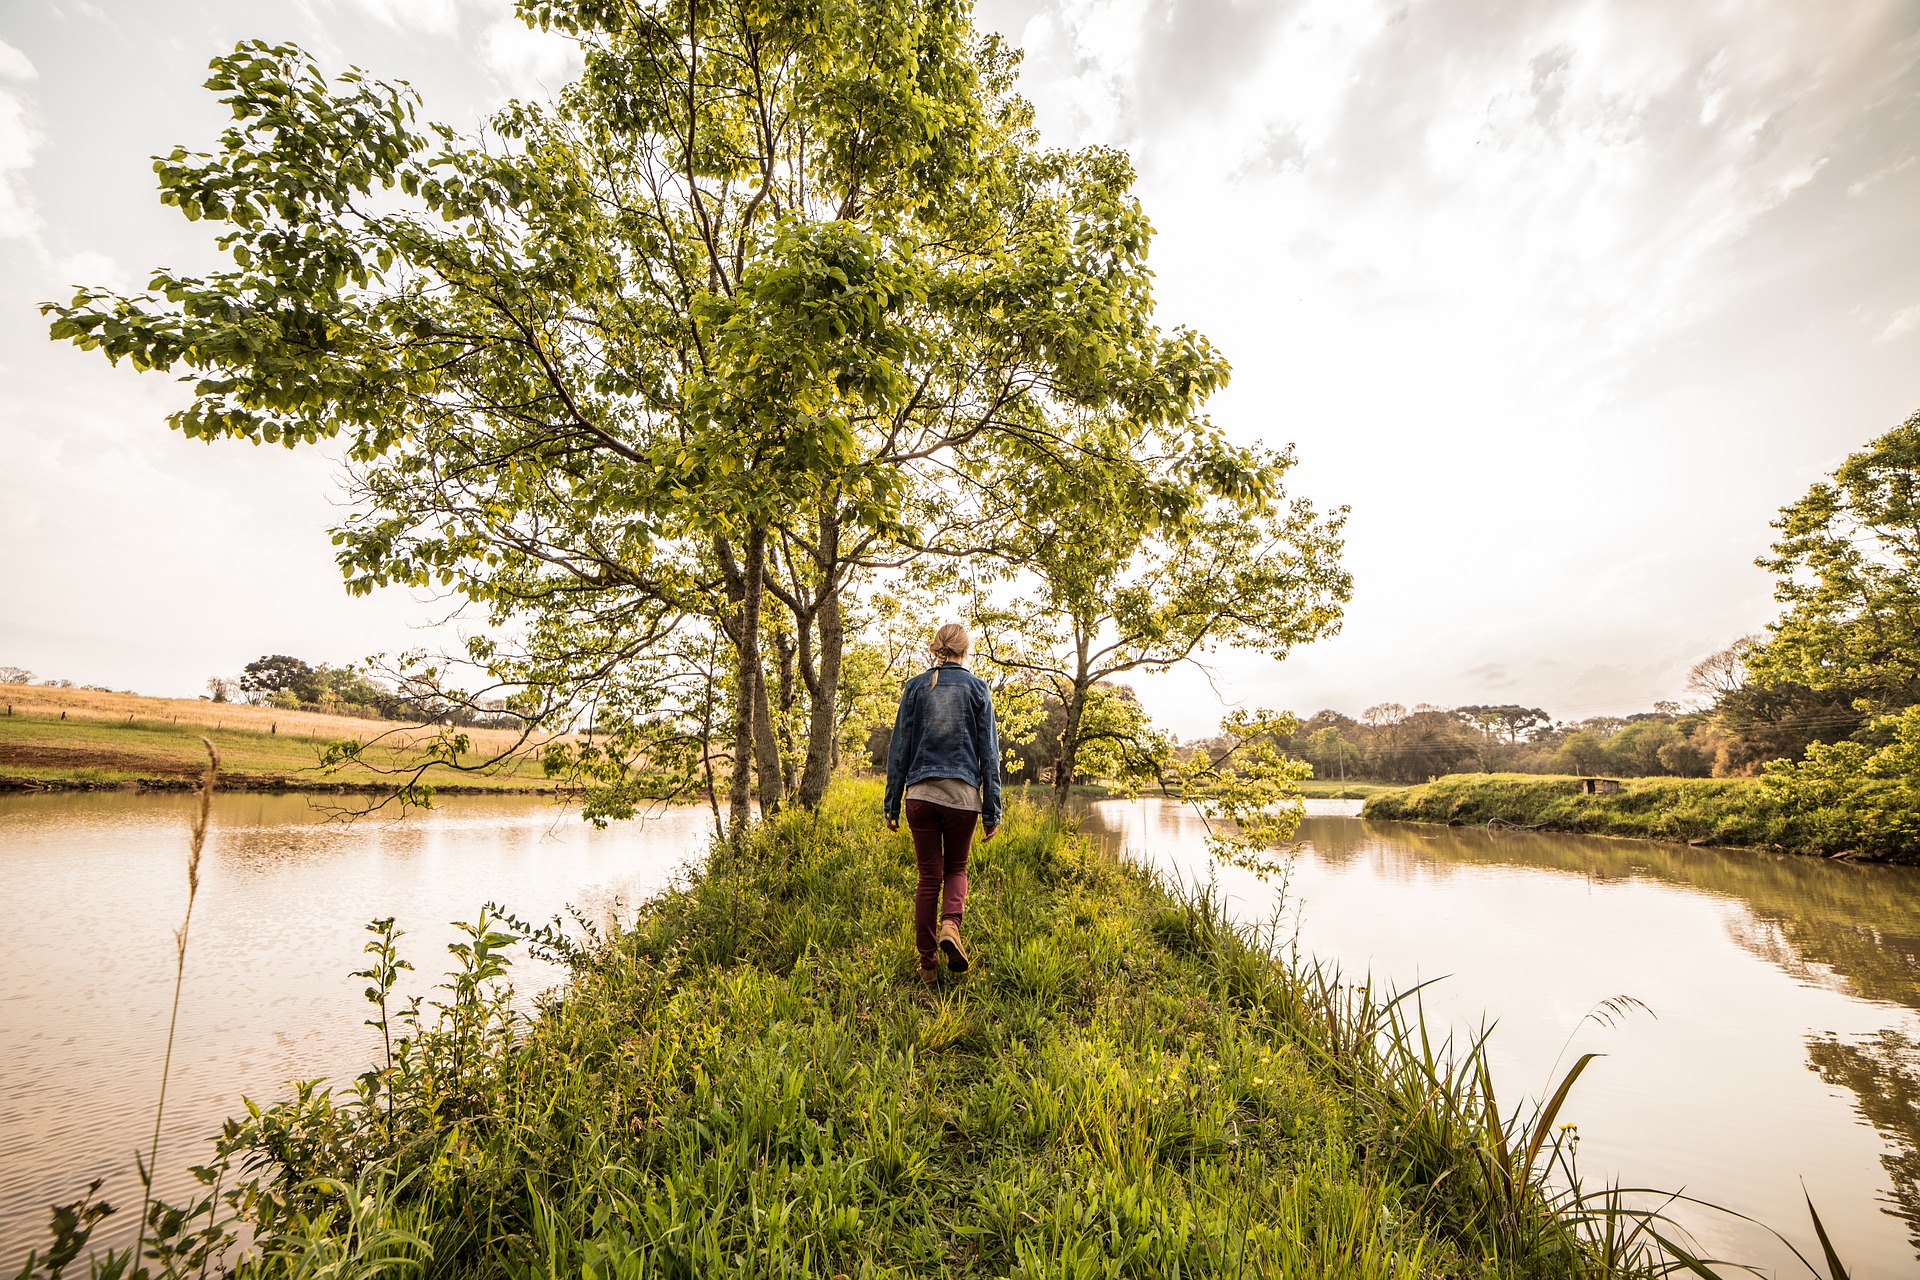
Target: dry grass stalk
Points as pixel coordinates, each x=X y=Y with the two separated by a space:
x=197 y=846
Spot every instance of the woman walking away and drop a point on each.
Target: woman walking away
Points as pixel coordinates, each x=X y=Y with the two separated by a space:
x=945 y=764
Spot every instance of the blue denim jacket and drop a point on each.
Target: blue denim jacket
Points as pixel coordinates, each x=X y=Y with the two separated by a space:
x=945 y=730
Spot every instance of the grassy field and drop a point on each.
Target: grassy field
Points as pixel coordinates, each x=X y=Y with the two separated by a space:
x=122 y=739
x=1739 y=812
x=750 y=1081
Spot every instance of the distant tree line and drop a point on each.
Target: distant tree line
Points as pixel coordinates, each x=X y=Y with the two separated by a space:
x=280 y=680
x=1824 y=705
x=1389 y=743
x=1743 y=719
x=20 y=675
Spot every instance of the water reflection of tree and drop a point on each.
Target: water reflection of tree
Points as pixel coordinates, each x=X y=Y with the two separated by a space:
x=1851 y=925
x=1884 y=1075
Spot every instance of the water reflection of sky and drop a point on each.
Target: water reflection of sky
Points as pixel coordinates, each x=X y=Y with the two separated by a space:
x=97 y=883
x=1783 y=1043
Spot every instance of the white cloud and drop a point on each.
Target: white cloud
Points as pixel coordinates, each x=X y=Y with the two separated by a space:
x=19 y=139
x=15 y=65
x=96 y=269
x=88 y=10
x=1862 y=185
x=428 y=17
x=528 y=63
x=1589 y=160
x=1905 y=320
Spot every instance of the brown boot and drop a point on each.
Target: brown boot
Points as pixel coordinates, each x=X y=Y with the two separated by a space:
x=930 y=977
x=952 y=947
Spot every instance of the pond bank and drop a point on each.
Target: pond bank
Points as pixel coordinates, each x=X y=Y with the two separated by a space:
x=1722 y=812
x=750 y=1079
x=90 y=752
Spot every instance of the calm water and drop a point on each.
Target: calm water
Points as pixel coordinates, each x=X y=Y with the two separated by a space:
x=1784 y=1038
x=1785 y=1041
x=95 y=884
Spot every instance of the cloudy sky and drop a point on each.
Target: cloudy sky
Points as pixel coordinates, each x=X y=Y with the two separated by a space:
x=1564 y=300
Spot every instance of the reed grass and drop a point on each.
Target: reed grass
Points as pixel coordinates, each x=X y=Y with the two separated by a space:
x=747 y=1080
x=196 y=845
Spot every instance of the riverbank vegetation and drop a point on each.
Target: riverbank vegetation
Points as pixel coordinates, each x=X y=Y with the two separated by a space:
x=748 y=1080
x=1758 y=813
x=1389 y=744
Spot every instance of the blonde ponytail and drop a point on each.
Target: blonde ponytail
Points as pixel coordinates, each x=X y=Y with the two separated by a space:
x=949 y=644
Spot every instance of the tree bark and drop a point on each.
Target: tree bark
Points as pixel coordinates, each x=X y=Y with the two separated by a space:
x=823 y=722
x=1063 y=772
x=789 y=760
x=711 y=674
x=746 y=585
x=766 y=748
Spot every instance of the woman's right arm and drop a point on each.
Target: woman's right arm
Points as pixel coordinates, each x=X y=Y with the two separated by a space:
x=988 y=737
x=897 y=750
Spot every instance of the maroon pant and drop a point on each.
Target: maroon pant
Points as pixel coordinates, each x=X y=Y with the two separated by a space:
x=942 y=838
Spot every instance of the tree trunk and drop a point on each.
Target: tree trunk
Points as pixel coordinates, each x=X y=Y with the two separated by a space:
x=711 y=675
x=789 y=758
x=1063 y=770
x=823 y=721
x=766 y=748
x=745 y=584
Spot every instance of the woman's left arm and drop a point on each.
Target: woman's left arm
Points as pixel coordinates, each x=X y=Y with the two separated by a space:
x=897 y=751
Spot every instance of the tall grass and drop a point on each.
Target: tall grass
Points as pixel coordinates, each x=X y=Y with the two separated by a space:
x=747 y=1080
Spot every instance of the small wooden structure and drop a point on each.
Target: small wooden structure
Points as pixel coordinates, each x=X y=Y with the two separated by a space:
x=1598 y=786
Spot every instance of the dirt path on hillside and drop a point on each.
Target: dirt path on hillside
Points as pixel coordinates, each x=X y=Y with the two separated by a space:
x=48 y=755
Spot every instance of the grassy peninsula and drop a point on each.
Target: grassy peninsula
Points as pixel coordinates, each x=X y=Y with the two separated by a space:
x=748 y=1080
x=1739 y=812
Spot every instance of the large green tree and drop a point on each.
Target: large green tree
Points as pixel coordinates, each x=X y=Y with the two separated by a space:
x=1508 y=720
x=717 y=318
x=1148 y=553
x=1847 y=568
x=1845 y=655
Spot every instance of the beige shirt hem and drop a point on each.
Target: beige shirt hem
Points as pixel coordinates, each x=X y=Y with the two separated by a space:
x=950 y=792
